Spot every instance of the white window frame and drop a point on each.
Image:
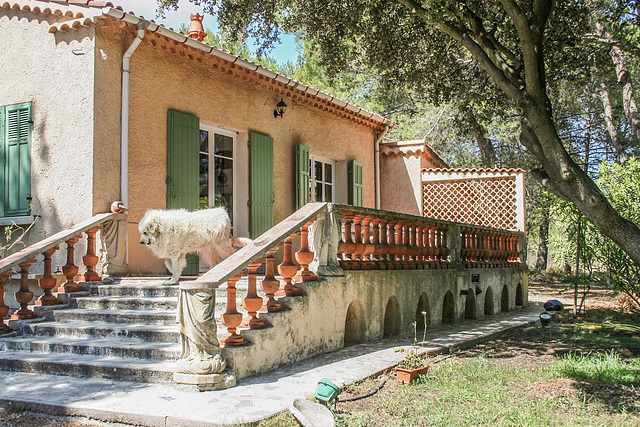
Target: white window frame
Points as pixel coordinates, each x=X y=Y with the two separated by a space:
x=212 y=129
x=324 y=160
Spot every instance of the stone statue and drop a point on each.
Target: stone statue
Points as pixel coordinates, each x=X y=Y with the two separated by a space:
x=324 y=236
x=200 y=362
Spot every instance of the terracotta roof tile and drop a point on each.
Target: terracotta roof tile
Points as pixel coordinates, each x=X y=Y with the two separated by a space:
x=236 y=65
x=474 y=170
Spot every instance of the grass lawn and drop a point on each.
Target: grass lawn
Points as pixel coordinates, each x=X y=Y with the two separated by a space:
x=559 y=375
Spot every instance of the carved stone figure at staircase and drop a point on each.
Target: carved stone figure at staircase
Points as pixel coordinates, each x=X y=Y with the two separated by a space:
x=200 y=362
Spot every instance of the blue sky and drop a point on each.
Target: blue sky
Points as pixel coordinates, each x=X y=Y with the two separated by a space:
x=286 y=51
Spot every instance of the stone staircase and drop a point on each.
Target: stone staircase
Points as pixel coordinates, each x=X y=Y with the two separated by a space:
x=120 y=328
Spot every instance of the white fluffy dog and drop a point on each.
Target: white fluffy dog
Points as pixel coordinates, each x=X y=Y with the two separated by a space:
x=171 y=234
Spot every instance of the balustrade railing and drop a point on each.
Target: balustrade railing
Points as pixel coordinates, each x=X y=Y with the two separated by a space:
x=333 y=238
x=26 y=257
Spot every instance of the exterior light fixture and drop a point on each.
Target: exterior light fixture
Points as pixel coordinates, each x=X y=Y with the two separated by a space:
x=545 y=318
x=280 y=109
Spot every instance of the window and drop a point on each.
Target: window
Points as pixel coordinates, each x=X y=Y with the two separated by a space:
x=217 y=153
x=15 y=160
x=322 y=179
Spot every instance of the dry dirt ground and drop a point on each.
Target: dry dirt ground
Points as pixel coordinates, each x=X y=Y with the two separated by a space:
x=510 y=348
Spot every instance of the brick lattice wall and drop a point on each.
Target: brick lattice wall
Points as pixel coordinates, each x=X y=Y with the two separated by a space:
x=488 y=202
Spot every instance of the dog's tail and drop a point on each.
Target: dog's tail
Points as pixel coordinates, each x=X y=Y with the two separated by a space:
x=216 y=253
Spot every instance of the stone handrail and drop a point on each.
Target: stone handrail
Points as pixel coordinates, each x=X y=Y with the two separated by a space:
x=333 y=238
x=336 y=237
x=47 y=247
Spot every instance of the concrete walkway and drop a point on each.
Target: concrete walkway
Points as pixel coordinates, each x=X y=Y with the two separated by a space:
x=253 y=399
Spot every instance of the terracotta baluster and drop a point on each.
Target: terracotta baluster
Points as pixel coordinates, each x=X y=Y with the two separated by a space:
x=90 y=260
x=252 y=302
x=359 y=244
x=500 y=253
x=232 y=318
x=69 y=270
x=393 y=246
x=304 y=257
x=288 y=269
x=507 y=256
x=24 y=295
x=433 y=245
x=368 y=245
x=426 y=251
x=383 y=251
x=482 y=238
x=446 y=248
x=375 y=242
x=401 y=248
x=4 y=309
x=346 y=246
x=420 y=249
x=48 y=282
x=493 y=248
x=270 y=284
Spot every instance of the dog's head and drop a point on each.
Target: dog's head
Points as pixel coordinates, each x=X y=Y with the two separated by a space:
x=149 y=228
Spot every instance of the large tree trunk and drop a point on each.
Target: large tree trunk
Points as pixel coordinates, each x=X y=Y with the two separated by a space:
x=487 y=151
x=611 y=126
x=561 y=175
x=624 y=82
x=543 y=240
x=521 y=75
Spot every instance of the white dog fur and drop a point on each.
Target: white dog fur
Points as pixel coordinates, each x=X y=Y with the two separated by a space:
x=171 y=234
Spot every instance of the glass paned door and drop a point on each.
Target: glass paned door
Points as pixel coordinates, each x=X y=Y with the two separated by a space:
x=216 y=169
x=322 y=179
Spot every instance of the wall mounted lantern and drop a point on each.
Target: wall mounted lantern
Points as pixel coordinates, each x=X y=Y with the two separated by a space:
x=280 y=109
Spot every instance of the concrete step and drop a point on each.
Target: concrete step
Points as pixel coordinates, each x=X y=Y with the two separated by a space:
x=141 y=317
x=100 y=330
x=127 y=303
x=93 y=347
x=124 y=369
x=141 y=290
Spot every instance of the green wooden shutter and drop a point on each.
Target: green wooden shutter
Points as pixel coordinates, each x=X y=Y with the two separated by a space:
x=183 y=189
x=261 y=183
x=17 y=153
x=303 y=177
x=3 y=167
x=355 y=183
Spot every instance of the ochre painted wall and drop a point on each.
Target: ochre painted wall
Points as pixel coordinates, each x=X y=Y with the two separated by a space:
x=161 y=80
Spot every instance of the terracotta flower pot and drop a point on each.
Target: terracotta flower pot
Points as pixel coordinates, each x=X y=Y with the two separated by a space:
x=406 y=376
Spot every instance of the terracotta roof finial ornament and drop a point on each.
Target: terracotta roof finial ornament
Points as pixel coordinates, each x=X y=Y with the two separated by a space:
x=196 y=30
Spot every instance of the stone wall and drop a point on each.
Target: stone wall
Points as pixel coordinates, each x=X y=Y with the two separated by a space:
x=368 y=305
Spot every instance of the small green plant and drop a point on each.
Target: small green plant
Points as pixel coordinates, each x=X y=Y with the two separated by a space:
x=412 y=361
x=10 y=240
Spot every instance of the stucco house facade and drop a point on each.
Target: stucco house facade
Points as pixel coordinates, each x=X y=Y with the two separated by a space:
x=98 y=105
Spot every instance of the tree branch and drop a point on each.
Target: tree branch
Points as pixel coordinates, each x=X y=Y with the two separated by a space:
x=531 y=44
x=472 y=46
